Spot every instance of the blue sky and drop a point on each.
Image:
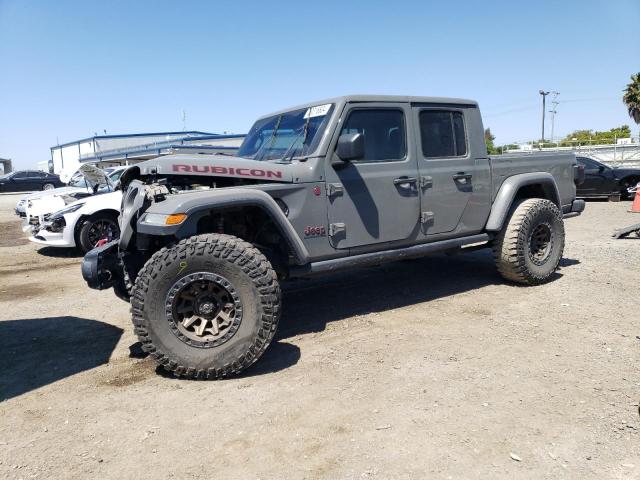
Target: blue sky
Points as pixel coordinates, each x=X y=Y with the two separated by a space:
x=69 y=69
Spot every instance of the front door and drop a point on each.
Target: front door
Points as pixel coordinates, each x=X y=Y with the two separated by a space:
x=595 y=178
x=374 y=199
x=23 y=181
x=446 y=167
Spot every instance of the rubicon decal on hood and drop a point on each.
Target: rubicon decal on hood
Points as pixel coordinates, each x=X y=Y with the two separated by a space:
x=218 y=170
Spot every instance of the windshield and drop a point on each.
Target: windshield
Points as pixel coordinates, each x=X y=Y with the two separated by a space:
x=7 y=175
x=115 y=176
x=287 y=135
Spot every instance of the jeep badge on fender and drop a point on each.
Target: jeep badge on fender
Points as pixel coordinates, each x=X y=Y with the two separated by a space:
x=317 y=231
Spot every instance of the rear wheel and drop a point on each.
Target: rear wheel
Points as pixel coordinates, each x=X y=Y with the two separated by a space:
x=48 y=186
x=207 y=307
x=100 y=226
x=529 y=247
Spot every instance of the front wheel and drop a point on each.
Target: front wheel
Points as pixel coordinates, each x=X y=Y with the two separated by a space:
x=207 y=307
x=529 y=247
x=100 y=226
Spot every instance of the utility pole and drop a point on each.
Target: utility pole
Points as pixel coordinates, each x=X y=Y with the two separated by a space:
x=553 y=112
x=184 y=119
x=544 y=107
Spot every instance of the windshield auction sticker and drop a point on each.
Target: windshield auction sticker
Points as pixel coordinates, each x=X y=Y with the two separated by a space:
x=317 y=111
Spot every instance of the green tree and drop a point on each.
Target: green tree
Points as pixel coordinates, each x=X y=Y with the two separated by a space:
x=586 y=137
x=631 y=97
x=488 y=139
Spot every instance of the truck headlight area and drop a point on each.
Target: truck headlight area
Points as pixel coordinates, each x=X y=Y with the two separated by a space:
x=164 y=219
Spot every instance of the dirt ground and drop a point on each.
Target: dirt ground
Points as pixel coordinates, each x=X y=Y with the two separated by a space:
x=433 y=368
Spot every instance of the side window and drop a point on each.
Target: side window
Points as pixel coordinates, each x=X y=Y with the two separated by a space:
x=459 y=134
x=384 y=133
x=21 y=175
x=442 y=134
x=588 y=163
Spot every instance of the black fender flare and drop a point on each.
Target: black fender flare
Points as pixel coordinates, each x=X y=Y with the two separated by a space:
x=197 y=205
x=509 y=189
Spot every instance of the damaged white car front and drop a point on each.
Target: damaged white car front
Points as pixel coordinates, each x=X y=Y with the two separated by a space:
x=66 y=221
x=50 y=228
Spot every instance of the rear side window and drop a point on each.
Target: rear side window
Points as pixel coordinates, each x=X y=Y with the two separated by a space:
x=442 y=133
x=384 y=133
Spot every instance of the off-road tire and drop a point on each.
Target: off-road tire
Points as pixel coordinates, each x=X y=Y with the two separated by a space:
x=512 y=248
x=250 y=275
x=83 y=239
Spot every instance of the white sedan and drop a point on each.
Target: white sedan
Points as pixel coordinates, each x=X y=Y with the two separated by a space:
x=78 y=186
x=81 y=223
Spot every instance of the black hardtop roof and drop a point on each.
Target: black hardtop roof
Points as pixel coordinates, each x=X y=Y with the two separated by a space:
x=380 y=98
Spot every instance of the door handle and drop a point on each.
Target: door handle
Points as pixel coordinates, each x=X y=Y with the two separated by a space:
x=402 y=181
x=462 y=177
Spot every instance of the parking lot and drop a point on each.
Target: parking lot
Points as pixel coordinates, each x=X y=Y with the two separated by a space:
x=431 y=368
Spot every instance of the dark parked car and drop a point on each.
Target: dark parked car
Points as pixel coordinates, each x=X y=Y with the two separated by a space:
x=601 y=180
x=28 y=180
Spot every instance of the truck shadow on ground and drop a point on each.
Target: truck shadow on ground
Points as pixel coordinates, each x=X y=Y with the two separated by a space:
x=38 y=351
x=310 y=304
x=60 y=252
x=279 y=356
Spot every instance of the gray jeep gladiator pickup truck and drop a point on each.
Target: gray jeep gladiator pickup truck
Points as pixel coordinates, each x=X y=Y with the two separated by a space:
x=345 y=182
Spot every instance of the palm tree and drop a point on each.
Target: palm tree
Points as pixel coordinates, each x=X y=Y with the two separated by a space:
x=631 y=97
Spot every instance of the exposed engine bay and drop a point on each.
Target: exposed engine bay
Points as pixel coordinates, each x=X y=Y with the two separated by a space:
x=248 y=223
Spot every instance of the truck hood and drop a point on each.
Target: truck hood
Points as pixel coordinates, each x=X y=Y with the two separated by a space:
x=211 y=166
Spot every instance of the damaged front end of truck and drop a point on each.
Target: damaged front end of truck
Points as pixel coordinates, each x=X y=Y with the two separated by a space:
x=175 y=197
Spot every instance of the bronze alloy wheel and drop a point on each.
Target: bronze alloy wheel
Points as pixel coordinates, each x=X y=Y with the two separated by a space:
x=203 y=309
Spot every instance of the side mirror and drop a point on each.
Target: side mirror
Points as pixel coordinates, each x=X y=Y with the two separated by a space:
x=601 y=168
x=350 y=146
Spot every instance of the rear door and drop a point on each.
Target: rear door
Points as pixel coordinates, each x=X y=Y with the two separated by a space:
x=446 y=166
x=38 y=179
x=375 y=199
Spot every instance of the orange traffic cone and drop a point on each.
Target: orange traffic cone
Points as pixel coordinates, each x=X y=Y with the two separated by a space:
x=635 y=208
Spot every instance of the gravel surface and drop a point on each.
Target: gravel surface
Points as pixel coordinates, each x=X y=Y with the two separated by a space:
x=434 y=368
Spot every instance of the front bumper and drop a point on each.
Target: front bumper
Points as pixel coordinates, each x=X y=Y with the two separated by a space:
x=101 y=267
x=42 y=232
x=51 y=239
